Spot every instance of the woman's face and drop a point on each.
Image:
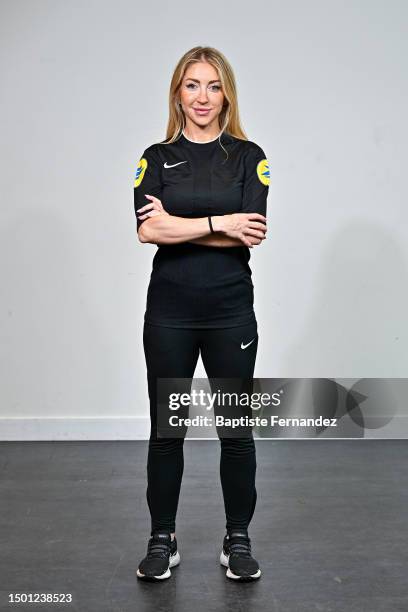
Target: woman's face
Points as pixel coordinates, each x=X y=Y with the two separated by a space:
x=201 y=90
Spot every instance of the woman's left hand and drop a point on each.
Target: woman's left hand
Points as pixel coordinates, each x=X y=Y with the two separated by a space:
x=155 y=207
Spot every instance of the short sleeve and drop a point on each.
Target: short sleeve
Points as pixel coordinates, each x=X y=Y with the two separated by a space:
x=147 y=180
x=256 y=183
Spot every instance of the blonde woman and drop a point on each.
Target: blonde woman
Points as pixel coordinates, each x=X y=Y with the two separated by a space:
x=200 y=196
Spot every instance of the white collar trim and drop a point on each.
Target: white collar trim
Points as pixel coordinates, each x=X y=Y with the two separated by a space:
x=201 y=142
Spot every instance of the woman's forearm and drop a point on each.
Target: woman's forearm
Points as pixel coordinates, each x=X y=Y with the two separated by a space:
x=217 y=239
x=169 y=229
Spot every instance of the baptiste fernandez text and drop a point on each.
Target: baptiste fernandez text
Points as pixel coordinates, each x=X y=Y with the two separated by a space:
x=245 y=421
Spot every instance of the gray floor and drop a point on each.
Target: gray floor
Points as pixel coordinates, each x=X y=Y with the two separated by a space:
x=330 y=527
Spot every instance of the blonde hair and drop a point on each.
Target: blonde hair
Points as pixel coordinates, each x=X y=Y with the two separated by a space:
x=229 y=117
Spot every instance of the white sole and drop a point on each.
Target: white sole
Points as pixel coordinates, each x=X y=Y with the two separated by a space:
x=174 y=560
x=224 y=561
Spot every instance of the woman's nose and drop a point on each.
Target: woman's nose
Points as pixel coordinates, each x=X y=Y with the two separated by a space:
x=203 y=96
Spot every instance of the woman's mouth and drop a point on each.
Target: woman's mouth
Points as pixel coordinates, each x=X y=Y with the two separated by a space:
x=201 y=111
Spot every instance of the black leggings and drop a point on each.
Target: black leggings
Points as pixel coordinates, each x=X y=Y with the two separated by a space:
x=173 y=353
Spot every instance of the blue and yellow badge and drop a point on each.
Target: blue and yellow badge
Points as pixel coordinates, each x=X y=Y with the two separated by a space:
x=262 y=171
x=140 y=170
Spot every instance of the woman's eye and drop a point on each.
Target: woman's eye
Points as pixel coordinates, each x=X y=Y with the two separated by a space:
x=212 y=87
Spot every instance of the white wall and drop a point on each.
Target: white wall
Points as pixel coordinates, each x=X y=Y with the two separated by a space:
x=322 y=88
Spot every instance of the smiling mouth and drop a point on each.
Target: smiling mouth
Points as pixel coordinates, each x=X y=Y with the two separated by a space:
x=202 y=110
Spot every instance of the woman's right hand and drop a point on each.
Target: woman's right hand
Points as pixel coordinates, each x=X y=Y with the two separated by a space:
x=250 y=228
x=153 y=208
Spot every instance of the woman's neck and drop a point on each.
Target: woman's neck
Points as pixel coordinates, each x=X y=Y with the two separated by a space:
x=200 y=136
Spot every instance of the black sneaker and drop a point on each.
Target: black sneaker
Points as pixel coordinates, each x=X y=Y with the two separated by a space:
x=162 y=554
x=236 y=556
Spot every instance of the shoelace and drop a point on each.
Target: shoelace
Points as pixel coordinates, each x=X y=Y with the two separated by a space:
x=157 y=549
x=240 y=545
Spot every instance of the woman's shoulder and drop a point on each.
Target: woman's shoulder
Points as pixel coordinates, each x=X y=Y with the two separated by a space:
x=156 y=147
x=251 y=150
x=254 y=147
x=152 y=148
x=152 y=152
x=249 y=146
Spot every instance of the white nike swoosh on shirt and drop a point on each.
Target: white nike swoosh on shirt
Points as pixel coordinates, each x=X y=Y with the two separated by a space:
x=166 y=165
x=244 y=346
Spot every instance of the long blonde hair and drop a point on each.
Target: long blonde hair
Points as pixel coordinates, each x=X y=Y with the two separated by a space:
x=229 y=117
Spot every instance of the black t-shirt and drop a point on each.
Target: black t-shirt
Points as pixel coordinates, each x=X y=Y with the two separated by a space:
x=193 y=285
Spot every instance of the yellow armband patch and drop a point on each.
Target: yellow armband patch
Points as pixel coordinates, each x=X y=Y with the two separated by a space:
x=140 y=171
x=262 y=171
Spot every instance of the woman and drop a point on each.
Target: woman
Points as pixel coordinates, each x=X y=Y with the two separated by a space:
x=201 y=195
